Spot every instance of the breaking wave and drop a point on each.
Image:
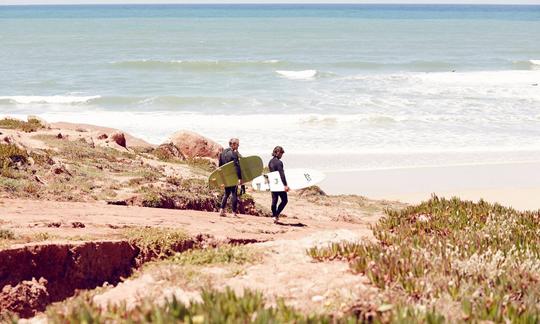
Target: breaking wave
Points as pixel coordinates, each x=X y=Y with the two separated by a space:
x=298 y=75
x=64 y=100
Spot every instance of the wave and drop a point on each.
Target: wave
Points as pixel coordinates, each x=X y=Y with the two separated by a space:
x=144 y=102
x=527 y=65
x=63 y=100
x=412 y=65
x=349 y=119
x=298 y=75
x=201 y=66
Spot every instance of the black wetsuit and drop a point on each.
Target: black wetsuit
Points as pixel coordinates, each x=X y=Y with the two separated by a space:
x=225 y=157
x=276 y=165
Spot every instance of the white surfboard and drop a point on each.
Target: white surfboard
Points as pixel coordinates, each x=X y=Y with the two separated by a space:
x=296 y=179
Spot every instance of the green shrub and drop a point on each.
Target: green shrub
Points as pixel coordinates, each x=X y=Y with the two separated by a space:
x=157 y=241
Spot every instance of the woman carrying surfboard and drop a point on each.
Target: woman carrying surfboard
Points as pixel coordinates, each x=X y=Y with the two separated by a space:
x=228 y=155
x=275 y=164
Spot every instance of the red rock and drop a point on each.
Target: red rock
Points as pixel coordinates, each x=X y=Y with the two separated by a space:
x=193 y=145
x=119 y=138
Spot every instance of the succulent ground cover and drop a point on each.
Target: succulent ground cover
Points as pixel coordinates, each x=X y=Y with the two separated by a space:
x=215 y=307
x=449 y=260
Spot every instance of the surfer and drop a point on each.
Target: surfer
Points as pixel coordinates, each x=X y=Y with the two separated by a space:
x=275 y=164
x=228 y=155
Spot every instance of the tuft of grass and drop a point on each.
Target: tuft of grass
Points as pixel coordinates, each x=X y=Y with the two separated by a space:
x=227 y=254
x=80 y=150
x=6 y=234
x=40 y=237
x=168 y=153
x=31 y=125
x=154 y=241
x=215 y=307
x=202 y=164
x=10 y=154
x=444 y=255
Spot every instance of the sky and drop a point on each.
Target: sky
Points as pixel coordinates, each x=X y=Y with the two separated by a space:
x=15 y=2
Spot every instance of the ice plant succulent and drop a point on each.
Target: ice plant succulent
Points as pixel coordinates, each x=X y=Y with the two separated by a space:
x=452 y=259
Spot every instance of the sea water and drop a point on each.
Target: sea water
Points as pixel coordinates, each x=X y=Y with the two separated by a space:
x=343 y=86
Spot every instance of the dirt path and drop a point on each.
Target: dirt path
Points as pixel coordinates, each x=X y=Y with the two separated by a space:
x=285 y=270
x=63 y=220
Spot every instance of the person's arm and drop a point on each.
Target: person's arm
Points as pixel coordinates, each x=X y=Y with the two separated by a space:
x=220 y=159
x=282 y=173
x=237 y=166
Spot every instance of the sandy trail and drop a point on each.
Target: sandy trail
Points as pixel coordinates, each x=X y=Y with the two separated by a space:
x=285 y=271
x=107 y=221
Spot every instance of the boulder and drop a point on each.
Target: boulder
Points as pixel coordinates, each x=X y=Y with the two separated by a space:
x=193 y=145
x=119 y=138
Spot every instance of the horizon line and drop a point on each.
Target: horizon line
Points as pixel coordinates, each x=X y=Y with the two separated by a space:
x=271 y=3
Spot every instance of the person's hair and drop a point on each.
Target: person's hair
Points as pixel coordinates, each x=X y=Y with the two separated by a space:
x=277 y=150
x=234 y=140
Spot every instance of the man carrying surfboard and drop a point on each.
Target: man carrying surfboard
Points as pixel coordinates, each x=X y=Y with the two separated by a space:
x=228 y=155
x=275 y=164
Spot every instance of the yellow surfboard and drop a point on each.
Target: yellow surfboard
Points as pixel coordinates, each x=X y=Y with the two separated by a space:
x=250 y=166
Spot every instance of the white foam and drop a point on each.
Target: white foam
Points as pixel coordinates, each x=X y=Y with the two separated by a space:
x=298 y=75
x=66 y=100
x=534 y=62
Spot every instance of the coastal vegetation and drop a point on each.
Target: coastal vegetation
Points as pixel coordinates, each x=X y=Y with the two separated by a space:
x=156 y=242
x=225 y=254
x=449 y=260
x=214 y=307
x=32 y=125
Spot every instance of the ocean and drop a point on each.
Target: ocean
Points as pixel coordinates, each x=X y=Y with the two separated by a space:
x=340 y=87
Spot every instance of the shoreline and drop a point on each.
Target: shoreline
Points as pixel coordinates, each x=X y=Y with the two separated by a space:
x=511 y=184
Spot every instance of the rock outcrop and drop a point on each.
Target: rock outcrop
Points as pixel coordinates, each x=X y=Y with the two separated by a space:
x=119 y=138
x=193 y=145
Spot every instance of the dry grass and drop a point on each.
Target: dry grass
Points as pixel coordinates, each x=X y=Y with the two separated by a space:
x=31 y=125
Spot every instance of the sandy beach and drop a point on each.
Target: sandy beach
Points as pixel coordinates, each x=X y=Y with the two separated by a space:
x=515 y=185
